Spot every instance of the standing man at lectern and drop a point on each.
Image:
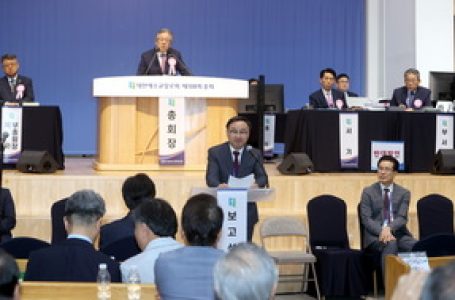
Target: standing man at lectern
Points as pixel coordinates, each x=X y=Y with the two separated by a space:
x=14 y=88
x=235 y=158
x=163 y=59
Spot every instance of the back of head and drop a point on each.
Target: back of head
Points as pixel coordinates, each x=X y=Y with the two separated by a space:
x=158 y=215
x=9 y=275
x=247 y=272
x=202 y=220
x=84 y=207
x=440 y=284
x=136 y=188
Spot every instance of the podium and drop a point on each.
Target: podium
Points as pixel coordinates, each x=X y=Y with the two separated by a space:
x=128 y=118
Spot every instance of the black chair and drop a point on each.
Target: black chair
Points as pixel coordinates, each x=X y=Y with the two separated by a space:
x=58 y=227
x=435 y=215
x=21 y=247
x=436 y=245
x=122 y=249
x=340 y=269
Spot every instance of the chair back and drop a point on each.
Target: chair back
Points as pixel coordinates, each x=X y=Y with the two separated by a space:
x=327 y=222
x=21 y=247
x=122 y=249
x=58 y=226
x=435 y=215
x=436 y=245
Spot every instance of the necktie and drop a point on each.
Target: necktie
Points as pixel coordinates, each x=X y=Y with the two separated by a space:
x=163 y=62
x=386 y=206
x=12 y=84
x=236 y=165
x=410 y=99
x=329 y=99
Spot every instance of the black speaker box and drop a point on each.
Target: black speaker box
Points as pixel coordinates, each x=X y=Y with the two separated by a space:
x=444 y=162
x=295 y=164
x=36 y=162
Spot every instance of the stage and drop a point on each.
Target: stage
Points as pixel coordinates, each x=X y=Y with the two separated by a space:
x=34 y=193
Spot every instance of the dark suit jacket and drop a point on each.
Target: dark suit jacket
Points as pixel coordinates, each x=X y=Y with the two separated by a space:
x=371 y=212
x=7 y=215
x=317 y=99
x=116 y=230
x=150 y=63
x=5 y=90
x=352 y=94
x=71 y=260
x=400 y=95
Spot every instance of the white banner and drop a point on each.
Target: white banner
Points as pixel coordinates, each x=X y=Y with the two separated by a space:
x=11 y=134
x=269 y=134
x=171 y=131
x=392 y=148
x=233 y=202
x=349 y=140
x=444 y=132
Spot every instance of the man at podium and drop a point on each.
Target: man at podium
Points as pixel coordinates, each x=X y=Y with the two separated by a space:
x=235 y=158
x=162 y=60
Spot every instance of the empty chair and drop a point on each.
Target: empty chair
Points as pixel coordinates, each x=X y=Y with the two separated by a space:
x=21 y=247
x=122 y=249
x=58 y=226
x=436 y=245
x=289 y=227
x=435 y=215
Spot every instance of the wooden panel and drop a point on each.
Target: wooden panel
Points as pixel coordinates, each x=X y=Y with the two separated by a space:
x=146 y=149
x=219 y=111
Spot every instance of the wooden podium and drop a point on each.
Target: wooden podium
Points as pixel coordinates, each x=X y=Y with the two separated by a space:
x=128 y=122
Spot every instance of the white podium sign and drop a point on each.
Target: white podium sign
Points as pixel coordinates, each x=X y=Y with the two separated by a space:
x=11 y=133
x=171 y=131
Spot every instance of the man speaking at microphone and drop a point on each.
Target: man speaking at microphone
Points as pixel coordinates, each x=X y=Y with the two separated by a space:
x=235 y=158
x=162 y=60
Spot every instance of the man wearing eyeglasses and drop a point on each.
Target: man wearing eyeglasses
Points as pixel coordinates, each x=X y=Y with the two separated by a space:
x=411 y=96
x=14 y=88
x=384 y=212
x=234 y=158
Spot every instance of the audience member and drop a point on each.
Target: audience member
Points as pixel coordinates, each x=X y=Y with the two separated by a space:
x=9 y=277
x=327 y=96
x=162 y=60
x=411 y=95
x=247 y=272
x=343 y=82
x=7 y=215
x=74 y=259
x=134 y=190
x=187 y=273
x=384 y=212
x=440 y=284
x=14 y=88
x=156 y=226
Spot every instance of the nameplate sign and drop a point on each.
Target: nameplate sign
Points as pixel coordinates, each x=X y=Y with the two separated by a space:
x=444 y=132
x=349 y=140
x=11 y=134
x=171 y=131
x=392 y=148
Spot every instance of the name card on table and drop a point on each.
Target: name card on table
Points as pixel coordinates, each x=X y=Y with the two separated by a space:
x=349 y=140
x=444 y=132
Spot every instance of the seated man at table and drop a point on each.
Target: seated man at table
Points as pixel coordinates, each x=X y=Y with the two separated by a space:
x=74 y=259
x=9 y=277
x=411 y=95
x=14 y=88
x=327 y=96
x=343 y=82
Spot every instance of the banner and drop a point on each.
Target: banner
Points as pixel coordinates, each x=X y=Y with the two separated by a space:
x=11 y=134
x=269 y=134
x=444 y=132
x=392 y=148
x=171 y=131
x=349 y=140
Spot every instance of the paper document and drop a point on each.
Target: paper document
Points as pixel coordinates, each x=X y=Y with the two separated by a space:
x=244 y=182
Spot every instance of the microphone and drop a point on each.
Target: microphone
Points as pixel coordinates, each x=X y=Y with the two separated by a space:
x=151 y=62
x=250 y=150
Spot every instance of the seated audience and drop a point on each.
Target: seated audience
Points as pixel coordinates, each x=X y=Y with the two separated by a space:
x=327 y=96
x=74 y=259
x=411 y=95
x=343 y=82
x=440 y=284
x=246 y=272
x=134 y=190
x=9 y=277
x=187 y=273
x=14 y=88
x=7 y=215
x=155 y=229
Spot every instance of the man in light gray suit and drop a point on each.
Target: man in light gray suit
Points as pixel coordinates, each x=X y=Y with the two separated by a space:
x=384 y=212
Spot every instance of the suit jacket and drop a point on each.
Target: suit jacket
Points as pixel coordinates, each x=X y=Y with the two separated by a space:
x=192 y=268
x=7 y=215
x=150 y=63
x=371 y=212
x=70 y=260
x=400 y=95
x=317 y=99
x=352 y=94
x=116 y=230
x=5 y=90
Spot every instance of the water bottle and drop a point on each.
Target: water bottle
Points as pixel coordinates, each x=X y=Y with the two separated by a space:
x=133 y=284
x=104 y=283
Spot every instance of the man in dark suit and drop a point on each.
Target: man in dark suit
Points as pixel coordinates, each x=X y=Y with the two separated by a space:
x=14 y=88
x=134 y=190
x=343 y=82
x=411 y=95
x=162 y=60
x=234 y=158
x=327 y=96
x=384 y=212
x=75 y=259
x=7 y=215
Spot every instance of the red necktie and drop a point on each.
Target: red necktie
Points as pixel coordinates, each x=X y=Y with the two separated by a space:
x=236 y=165
x=386 y=206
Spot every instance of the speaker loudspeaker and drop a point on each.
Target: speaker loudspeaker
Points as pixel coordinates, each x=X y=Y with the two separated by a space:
x=444 y=162
x=36 y=162
x=295 y=164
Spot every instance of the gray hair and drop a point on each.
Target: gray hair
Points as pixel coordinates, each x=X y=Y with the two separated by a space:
x=440 y=284
x=412 y=71
x=165 y=30
x=247 y=272
x=84 y=207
